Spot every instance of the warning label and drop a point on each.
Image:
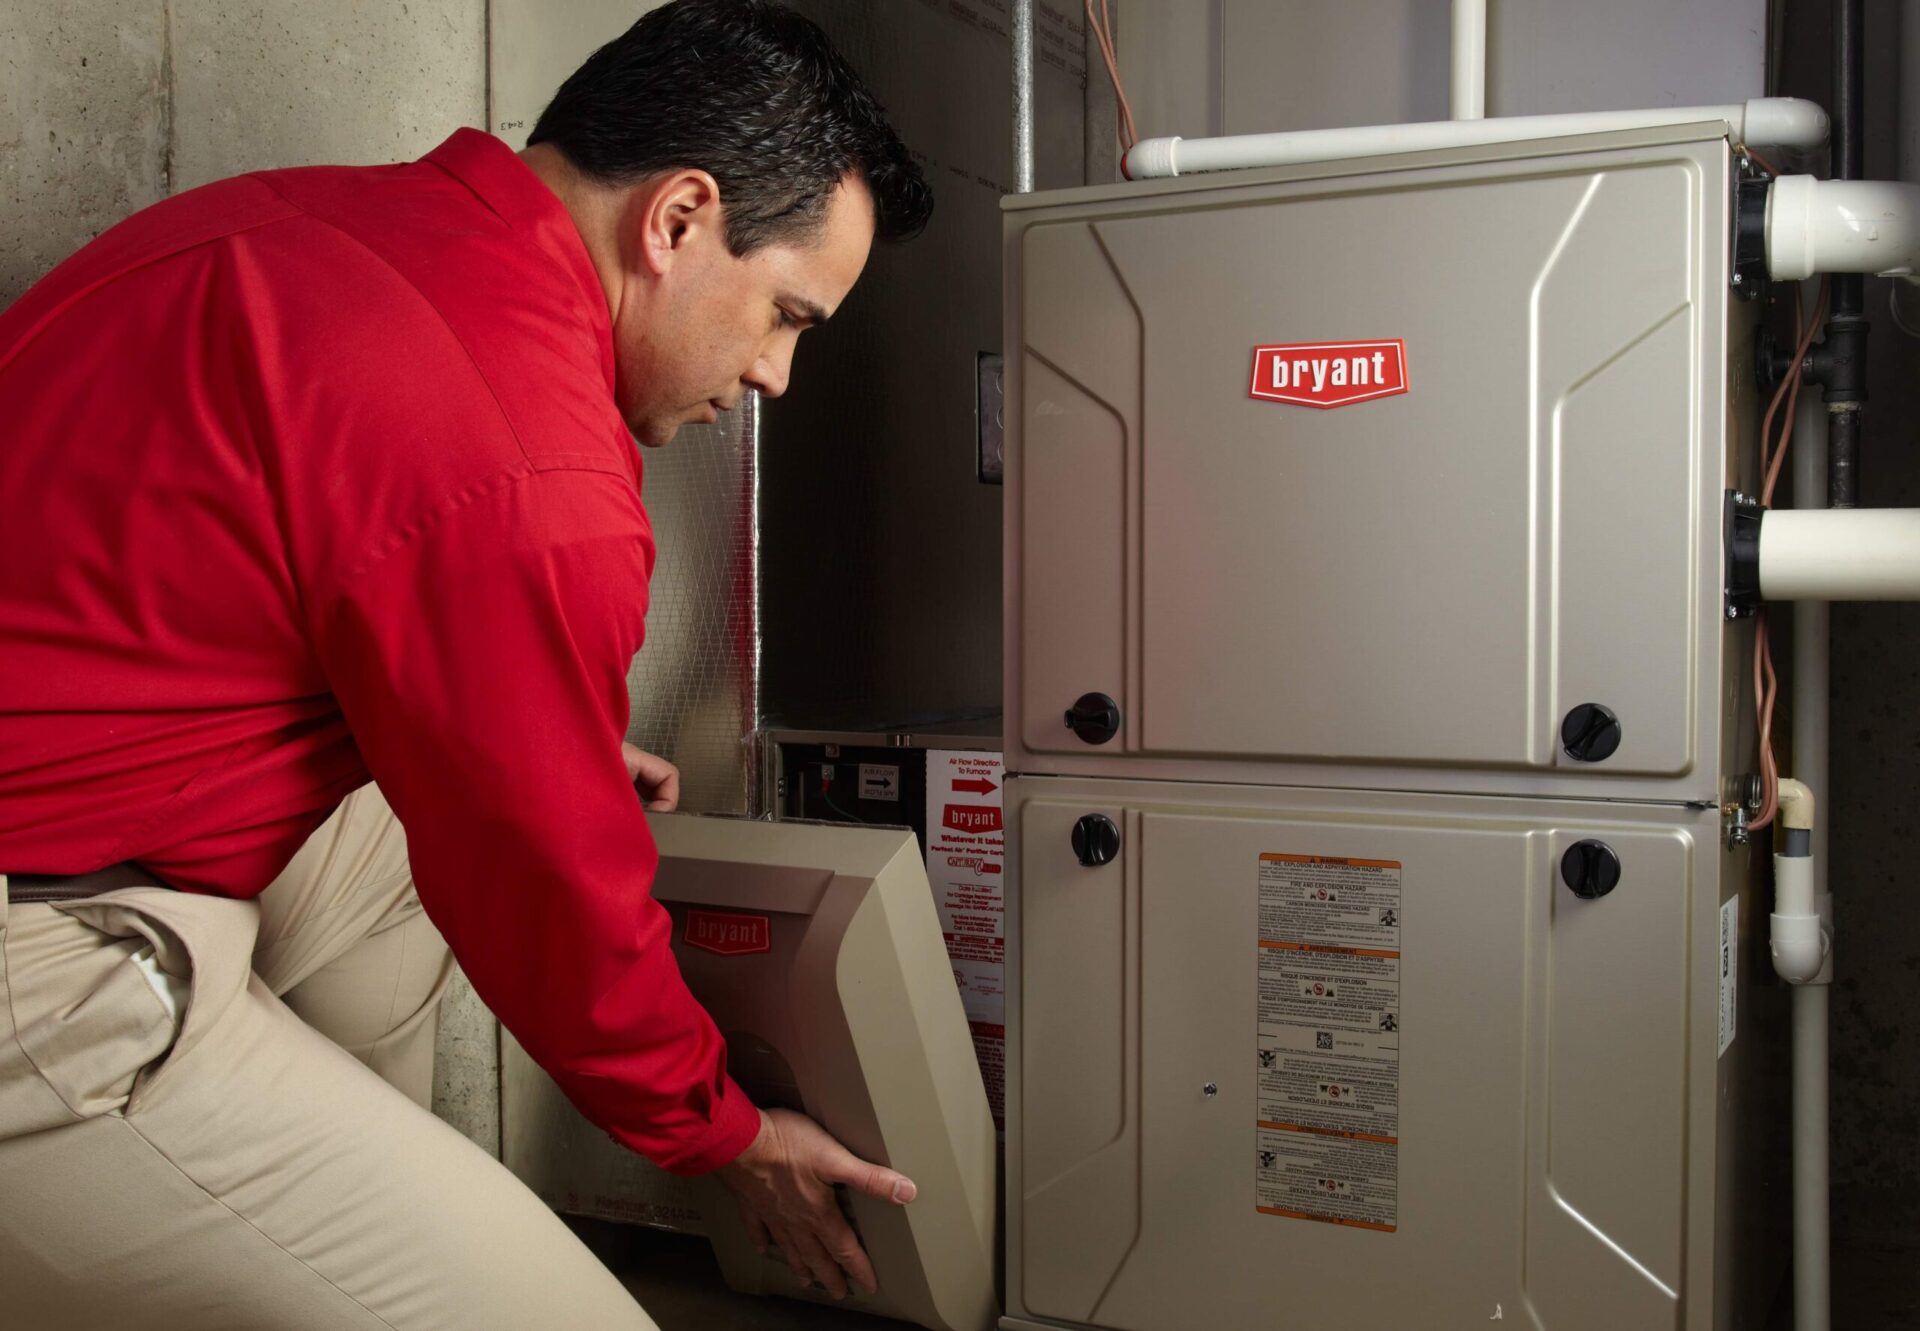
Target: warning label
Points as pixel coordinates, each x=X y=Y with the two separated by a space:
x=1327 y=1144
x=1729 y=970
x=966 y=864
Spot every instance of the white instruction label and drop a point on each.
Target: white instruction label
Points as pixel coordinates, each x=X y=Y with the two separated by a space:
x=1729 y=969
x=966 y=865
x=1327 y=1145
x=879 y=782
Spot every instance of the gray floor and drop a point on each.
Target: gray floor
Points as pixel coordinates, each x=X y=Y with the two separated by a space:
x=1876 y=1277
x=677 y=1281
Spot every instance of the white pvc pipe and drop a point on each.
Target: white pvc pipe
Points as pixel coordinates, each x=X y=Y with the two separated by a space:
x=1840 y=554
x=1469 y=87
x=1765 y=123
x=1812 y=1268
x=1842 y=226
x=1811 y=634
x=1797 y=942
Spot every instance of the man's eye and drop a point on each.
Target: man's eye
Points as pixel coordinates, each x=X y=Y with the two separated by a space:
x=788 y=321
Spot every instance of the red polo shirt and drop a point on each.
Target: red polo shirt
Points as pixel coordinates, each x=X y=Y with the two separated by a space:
x=316 y=475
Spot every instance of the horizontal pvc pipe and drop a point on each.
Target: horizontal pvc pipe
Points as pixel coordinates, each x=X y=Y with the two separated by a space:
x=1765 y=123
x=1468 y=91
x=1842 y=226
x=1840 y=554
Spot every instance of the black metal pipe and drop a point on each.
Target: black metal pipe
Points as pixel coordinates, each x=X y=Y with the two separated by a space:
x=1843 y=366
x=1848 y=146
x=1843 y=455
x=1849 y=66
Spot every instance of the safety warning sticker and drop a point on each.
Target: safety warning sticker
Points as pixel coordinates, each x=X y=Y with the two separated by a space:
x=966 y=863
x=1327 y=1144
x=1729 y=969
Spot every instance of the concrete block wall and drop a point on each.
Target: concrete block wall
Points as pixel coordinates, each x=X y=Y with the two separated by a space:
x=109 y=105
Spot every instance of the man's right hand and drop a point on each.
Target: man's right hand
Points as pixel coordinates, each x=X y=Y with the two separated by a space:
x=784 y=1183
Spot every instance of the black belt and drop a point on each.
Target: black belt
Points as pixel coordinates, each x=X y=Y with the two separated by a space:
x=30 y=888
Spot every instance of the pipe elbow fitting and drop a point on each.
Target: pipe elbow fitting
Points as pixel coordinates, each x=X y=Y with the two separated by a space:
x=1783 y=122
x=1799 y=947
x=1796 y=805
x=1151 y=158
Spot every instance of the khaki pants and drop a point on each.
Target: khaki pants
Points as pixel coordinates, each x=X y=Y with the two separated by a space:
x=212 y=1115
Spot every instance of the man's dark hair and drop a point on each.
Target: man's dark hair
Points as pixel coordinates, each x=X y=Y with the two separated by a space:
x=751 y=93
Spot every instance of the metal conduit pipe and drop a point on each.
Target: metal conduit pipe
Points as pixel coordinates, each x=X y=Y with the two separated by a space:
x=1844 y=373
x=1022 y=20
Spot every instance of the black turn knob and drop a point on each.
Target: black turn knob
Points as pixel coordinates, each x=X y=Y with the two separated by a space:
x=1095 y=718
x=1590 y=869
x=1096 y=840
x=1590 y=733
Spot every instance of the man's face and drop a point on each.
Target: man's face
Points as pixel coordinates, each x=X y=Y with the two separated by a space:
x=719 y=325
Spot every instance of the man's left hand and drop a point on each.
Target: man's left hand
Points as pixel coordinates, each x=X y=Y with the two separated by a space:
x=657 y=780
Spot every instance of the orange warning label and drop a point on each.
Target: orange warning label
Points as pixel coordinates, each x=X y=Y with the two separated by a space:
x=1326 y=1219
x=1327 y=1134
x=1329 y=859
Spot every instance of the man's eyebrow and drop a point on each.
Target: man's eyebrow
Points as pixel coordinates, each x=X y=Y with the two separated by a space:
x=806 y=309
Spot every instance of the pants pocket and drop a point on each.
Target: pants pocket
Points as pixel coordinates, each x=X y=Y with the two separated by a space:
x=197 y=951
x=86 y=1019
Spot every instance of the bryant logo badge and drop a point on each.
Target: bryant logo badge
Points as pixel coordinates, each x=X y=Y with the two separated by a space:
x=727 y=934
x=1329 y=374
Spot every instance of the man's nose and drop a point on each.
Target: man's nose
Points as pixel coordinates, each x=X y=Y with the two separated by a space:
x=769 y=373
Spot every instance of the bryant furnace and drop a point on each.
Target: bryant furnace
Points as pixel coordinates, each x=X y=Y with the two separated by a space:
x=1380 y=956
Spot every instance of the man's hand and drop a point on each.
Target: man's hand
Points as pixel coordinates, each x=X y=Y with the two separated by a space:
x=784 y=1183
x=657 y=779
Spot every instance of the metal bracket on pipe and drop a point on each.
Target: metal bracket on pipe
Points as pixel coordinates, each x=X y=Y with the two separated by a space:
x=1742 y=582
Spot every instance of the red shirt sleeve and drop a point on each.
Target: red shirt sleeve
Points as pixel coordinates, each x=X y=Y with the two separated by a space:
x=480 y=658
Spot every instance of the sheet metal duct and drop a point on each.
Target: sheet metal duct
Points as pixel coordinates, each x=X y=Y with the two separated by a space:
x=695 y=686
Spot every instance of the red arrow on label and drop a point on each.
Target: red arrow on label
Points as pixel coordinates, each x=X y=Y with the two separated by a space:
x=978 y=785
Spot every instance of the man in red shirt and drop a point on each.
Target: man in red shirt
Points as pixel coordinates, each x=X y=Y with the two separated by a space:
x=317 y=476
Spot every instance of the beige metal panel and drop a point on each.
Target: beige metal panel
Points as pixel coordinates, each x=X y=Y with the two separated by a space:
x=1079 y=1027
x=1410 y=591
x=1076 y=602
x=851 y=1015
x=842 y=1005
x=1557 y=1080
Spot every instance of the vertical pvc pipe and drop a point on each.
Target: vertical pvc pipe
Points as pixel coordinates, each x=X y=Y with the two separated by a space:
x=1022 y=17
x=1469 y=85
x=1811 y=1246
x=1812 y=1269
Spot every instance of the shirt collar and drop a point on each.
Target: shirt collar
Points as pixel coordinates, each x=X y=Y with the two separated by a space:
x=508 y=186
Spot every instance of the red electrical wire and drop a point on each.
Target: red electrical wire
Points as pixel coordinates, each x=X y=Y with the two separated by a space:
x=1100 y=33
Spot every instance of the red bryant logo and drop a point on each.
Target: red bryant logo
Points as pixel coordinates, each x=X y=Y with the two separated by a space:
x=728 y=934
x=1328 y=374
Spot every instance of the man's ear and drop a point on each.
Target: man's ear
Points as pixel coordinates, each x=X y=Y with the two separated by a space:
x=673 y=212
